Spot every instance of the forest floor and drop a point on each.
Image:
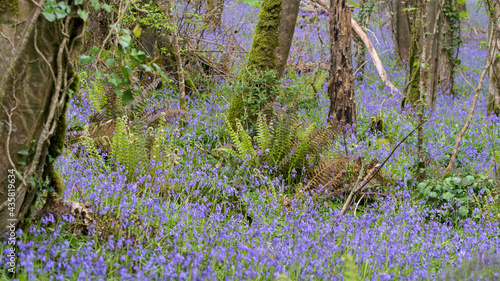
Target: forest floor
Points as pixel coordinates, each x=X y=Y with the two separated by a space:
x=158 y=223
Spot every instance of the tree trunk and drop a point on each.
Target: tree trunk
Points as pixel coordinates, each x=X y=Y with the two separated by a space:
x=38 y=72
x=493 y=11
x=439 y=45
x=401 y=24
x=214 y=12
x=340 y=83
x=289 y=13
x=360 y=48
x=262 y=57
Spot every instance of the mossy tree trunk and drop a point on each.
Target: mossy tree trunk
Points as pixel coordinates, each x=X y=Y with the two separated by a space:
x=493 y=11
x=434 y=49
x=262 y=57
x=37 y=78
x=289 y=13
x=340 y=82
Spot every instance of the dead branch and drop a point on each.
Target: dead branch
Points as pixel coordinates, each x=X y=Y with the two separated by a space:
x=371 y=49
x=469 y=118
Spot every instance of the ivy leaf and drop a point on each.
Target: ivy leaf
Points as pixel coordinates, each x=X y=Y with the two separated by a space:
x=94 y=50
x=60 y=14
x=83 y=14
x=110 y=62
x=49 y=16
x=86 y=59
x=127 y=97
x=106 y=7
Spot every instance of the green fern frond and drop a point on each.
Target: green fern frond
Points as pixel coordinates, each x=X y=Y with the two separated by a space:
x=350 y=269
x=246 y=147
x=233 y=135
x=263 y=137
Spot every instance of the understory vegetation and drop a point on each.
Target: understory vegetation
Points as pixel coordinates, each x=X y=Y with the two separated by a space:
x=191 y=195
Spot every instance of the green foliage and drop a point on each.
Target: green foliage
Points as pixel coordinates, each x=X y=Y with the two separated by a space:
x=128 y=147
x=90 y=147
x=95 y=91
x=254 y=92
x=285 y=145
x=262 y=55
x=350 y=269
x=451 y=192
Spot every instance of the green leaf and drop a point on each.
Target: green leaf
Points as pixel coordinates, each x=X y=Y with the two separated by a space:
x=456 y=180
x=106 y=7
x=463 y=211
x=49 y=16
x=60 y=14
x=448 y=196
x=110 y=62
x=127 y=97
x=83 y=14
x=125 y=40
x=23 y=152
x=94 y=50
x=78 y=2
x=137 y=31
x=86 y=59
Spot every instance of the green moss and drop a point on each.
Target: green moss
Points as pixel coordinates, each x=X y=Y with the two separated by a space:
x=12 y=6
x=412 y=89
x=262 y=58
x=491 y=107
x=265 y=41
x=55 y=149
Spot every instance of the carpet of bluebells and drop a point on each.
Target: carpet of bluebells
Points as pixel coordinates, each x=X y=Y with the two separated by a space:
x=390 y=239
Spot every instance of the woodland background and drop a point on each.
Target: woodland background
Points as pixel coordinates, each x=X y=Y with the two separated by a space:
x=273 y=140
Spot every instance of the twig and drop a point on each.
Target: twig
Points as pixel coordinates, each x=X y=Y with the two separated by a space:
x=469 y=119
x=357 y=188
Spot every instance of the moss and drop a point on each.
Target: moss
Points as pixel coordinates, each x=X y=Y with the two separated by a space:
x=491 y=107
x=55 y=149
x=377 y=124
x=412 y=89
x=265 y=41
x=262 y=57
x=12 y=6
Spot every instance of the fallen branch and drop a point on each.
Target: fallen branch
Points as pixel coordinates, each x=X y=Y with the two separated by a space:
x=469 y=118
x=371 y=49
x=359 y=186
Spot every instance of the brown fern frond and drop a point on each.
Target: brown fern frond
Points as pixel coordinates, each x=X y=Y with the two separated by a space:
x=329 y=174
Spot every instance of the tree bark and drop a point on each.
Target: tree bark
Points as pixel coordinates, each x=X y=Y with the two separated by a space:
x=401 y=27
x=38 y=72
x=214 y=12
x=262 y=57
x=437 y=48
x=340 y=83
x=289 y=13
x=493 y=11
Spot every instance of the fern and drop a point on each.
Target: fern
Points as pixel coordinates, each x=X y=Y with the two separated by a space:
x=350 y=269
x=246 y=147
x=95 y=90
x=128 y=147
x=263 y=137
x=91 y=149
